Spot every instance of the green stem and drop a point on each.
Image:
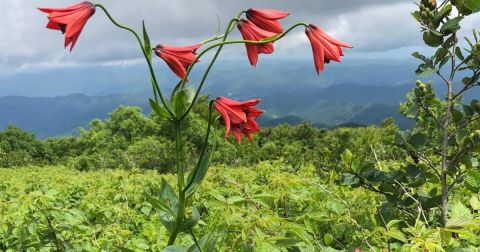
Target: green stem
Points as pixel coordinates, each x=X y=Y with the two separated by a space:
x=180 y=163
x=220 y=45
x=155 y=86
x=215 y=38
x=224 y=36
x=204 y=147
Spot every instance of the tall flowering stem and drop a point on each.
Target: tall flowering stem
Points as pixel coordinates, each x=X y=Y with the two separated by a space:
x=237 y=116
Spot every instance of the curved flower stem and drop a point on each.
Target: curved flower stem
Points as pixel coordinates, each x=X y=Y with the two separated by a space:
x=220 y=45
x=215 y=38
x=156 y=88
x=224 y=36
x=204 y=146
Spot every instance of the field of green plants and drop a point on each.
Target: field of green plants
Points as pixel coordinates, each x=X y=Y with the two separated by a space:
x=242 y=208
x=296 y=188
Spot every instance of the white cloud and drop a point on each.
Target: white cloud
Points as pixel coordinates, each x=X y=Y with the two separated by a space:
x=369 y=25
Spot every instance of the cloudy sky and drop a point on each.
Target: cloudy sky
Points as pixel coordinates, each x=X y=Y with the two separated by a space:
x=377 y=28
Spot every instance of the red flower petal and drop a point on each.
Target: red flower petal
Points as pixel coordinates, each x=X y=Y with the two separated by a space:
x=178 y=58
x=267 y=19
x=69 y=20
x=238 y=117
x=268 y=14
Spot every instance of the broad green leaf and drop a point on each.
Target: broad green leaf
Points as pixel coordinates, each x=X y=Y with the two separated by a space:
x=159 y=204
x=328 y=239
x=417 y=141
x=440 y=54
x=467 y=7
x=426 y=69
x=207 y=244
x=432 y=39
x=460 y=216
x=175 y=248
x=451 y=25
x=475 y=202
x=472 y=180
x=197 y=175
x=415 y=176
x=180 y=102
x=159 y=110
x=396 y=234
x=349 y=180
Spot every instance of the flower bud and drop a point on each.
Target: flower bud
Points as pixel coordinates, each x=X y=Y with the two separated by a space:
x=418 y=83
x=422 y=87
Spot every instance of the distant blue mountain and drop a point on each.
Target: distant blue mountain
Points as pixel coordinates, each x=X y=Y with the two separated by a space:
x=57 y=102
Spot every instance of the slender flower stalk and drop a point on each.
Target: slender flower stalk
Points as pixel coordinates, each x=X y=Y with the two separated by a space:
x=156 y=88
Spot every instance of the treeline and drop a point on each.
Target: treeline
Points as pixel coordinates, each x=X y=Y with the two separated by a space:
x=128 y=139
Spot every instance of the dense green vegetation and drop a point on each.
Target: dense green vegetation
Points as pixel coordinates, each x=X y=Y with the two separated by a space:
x=294 y=188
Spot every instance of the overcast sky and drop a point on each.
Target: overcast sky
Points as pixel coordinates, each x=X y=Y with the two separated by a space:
x=373 y=27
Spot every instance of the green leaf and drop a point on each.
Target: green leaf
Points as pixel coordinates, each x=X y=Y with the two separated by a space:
x=175 y=248
x=158 y=110
x=472 y=180
x=206 y=243
x=190 y=94
x=159 y=204
x=426 y=69
x=197 y=175
x=168 y=196
x=415 y=176
x=432 y=39
x=146 y=40
x=457 y=115
x=467 y=7
x=440 y=54
x=328 y=239
x=460 y=215
x=349 y=180
x=459 y=54
x=451 y=25
x=417 y=141
x=475 y=203
x=420 y=57
x=347 y=157
x=180 y=102
x=396 y=234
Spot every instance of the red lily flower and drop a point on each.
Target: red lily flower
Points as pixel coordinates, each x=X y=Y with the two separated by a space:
x=178 y=58
x=251 y=32
x=69 y=20
x=267 y=19
x=325 y=48
x=238 y=117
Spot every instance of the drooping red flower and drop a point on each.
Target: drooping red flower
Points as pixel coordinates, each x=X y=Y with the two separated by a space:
x=325 y=48
x=267 y=19
x=250 y=31
x=178 y=58
x=69 y=20
x=238 y=117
